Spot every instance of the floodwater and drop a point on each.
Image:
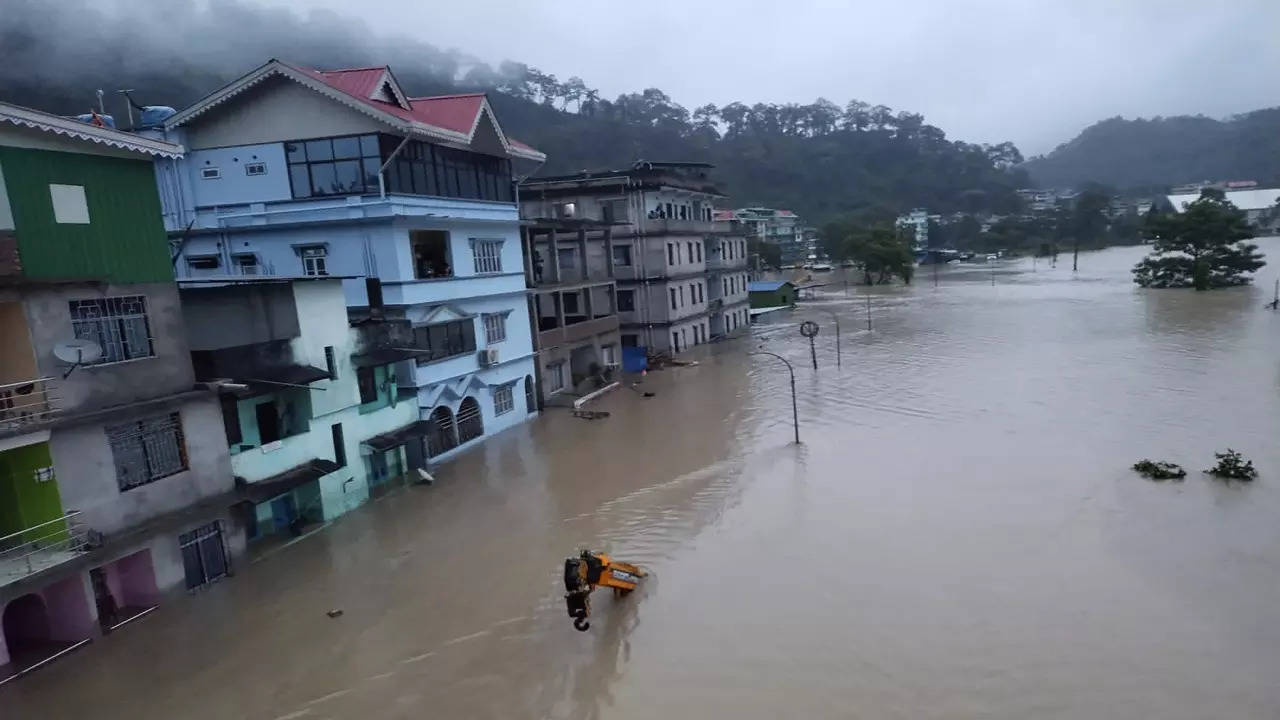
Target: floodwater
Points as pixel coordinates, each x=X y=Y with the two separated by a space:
x=958 y=536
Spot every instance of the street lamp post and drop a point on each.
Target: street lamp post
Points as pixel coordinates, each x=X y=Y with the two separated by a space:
x=795 y=413
x=809 y=329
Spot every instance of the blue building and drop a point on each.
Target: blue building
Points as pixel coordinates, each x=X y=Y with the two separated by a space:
x=298 y=172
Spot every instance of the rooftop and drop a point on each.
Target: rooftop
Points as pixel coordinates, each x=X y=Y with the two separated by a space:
x=94 y=134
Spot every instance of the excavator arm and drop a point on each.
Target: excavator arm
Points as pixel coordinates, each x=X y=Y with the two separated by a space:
x=590 y=570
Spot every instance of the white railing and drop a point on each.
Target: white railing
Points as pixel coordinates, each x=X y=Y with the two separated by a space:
x=29 y=402
x=41 y=546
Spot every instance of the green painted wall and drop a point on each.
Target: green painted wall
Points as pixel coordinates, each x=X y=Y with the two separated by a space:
x=23 y=501
x=785 y=295
x=124 y=240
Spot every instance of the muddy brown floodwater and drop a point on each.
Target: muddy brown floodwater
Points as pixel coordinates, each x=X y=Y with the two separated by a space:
x=959 y=536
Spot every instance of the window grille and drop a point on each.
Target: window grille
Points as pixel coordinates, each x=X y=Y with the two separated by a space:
x=118 y=325
x=147 y=450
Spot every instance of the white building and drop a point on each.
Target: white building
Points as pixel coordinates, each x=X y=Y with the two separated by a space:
x=1259 y=205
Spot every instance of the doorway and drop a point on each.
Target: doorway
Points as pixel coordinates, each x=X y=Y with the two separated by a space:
x=268 y=422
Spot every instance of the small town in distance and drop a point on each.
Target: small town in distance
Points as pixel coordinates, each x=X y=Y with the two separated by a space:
x=326 y=391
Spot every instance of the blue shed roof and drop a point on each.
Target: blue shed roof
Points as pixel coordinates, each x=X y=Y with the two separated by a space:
x=765 y=285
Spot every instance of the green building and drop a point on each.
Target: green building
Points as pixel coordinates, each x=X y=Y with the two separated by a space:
x=771 y=293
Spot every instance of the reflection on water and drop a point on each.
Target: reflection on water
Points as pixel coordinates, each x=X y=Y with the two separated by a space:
x=958 y=536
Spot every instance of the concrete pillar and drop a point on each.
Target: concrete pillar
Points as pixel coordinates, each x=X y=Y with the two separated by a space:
x=554 y=244
x=608 y=251
x=559 y=308
x=527 y=248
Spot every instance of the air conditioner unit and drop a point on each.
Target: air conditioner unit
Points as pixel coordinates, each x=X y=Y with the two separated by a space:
x=488 y=357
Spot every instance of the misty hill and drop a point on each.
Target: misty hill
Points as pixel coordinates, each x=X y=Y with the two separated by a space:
x=820 y=159
x=1166 y=151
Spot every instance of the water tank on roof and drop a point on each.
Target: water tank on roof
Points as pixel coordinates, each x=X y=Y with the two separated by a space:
x=88 y=119
x=155 y=115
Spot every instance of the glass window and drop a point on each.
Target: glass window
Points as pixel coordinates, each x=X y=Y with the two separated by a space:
x=347 y=176
x=295 y=152
x=346 y=147
x=301 y=181
x=626 y=300
x=622 y=255
x=323 y=179
x=119 y=325
x=445 y=340
x=367 y=380
x=147 y=450
x=503 y=401
x=319 y=150
x=369 y=145
x=495 y=327
x=487 y=255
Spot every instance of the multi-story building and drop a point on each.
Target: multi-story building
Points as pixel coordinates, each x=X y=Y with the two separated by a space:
x=115 y=485
x=310 y=405
x=916 y=223
x=681 y=276
x=569 y=270
x=779 y=227
x=291 y=171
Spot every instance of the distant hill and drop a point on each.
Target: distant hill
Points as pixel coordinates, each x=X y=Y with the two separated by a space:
x=1166 y=151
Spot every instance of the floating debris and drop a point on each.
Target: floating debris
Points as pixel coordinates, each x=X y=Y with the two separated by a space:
x=1232 y=466
x=1160 y=470
x=334 y=613
x=591 y=414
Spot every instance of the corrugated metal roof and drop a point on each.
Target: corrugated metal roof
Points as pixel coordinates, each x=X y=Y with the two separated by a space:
x=1243 y=199
x=765 y=285
x=451 y=112
x=68 y=127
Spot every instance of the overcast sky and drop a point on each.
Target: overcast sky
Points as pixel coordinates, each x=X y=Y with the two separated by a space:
x=1035 y=72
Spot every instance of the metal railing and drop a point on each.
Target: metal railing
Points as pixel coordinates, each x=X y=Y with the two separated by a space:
x=41 y=546
x=25 y=403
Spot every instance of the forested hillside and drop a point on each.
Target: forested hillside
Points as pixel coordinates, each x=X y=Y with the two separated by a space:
x=1166 y=151
x=821 y=159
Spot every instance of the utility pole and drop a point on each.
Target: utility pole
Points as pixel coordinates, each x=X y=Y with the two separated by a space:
x=868 y=313
x=795 y=414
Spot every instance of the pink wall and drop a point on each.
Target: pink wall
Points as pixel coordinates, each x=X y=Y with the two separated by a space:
x=132 y=580
x=71 y=615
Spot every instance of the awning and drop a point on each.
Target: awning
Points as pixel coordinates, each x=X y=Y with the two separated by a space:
x=263 y=490
x=396 y=438
x=385 y=356
x=286 y=375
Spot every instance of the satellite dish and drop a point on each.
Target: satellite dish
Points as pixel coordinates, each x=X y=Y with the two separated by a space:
x=77 y=352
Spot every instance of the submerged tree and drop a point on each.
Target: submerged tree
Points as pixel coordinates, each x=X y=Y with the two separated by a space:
x=1202 y=247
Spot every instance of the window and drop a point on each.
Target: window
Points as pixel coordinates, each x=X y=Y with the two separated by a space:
x=430 y=254
x=568 y=258
x=571 y=305
x=69 y=204
x=613 y=210
x=231 y=419
x=339 y=445
x=681 y=291
x=147 y=450
x=530 y=400
x=314 y=260
x=622 y=255
x=699 y=252
x=332 y=166
x=630 y=340
x=675 y=341
x=43 y=474
x=690 y=256
x=330 y=362
x=566 y=210
x=495 y=327
x=118 y=325
x=203 y=262
x=367 y=380
x=204 y=557
x=669 y=214
x=503 y=401
x=470 y=421
x=673 y=298
x=210 y=173
x=725 y=283
x=609 y=355
x=255 y=168
x=671 y=254
x=444 y=340
x=487 y=254
x=246 y=263
x=556 y=372
x=701 y=293
x=626 y=300
x=424 y=169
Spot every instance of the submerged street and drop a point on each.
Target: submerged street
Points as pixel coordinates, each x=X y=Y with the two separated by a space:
x=958 y=535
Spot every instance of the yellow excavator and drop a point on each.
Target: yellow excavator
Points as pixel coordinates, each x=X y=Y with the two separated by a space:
x=589 y=570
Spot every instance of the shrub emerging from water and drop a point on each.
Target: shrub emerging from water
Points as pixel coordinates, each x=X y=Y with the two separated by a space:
x=1160 y=470
x=1232 y=466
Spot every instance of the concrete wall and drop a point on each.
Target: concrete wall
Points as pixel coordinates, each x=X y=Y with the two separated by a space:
x=229 y=316
x=276 y=110
x=86 y=474
x=17 y=361
x=168 y=371
x=233 y=186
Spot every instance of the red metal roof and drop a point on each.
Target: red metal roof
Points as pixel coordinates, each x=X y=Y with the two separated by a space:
x=451 y=112
x=457 y=113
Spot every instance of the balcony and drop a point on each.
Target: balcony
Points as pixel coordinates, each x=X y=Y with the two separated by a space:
x=576 y=328
x=673 y=226
x=26 y=405
x=416 y=292
x=273 y=458
x=41 y=547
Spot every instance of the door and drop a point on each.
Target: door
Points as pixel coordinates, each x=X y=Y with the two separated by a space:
x=268 y=422
x=108 y=608
x=203 y=556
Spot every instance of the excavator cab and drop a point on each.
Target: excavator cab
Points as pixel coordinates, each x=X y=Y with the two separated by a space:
x=589 y=570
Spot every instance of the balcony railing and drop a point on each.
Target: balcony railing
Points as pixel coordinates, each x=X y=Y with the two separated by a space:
x=27 y=403
x=41 y=546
